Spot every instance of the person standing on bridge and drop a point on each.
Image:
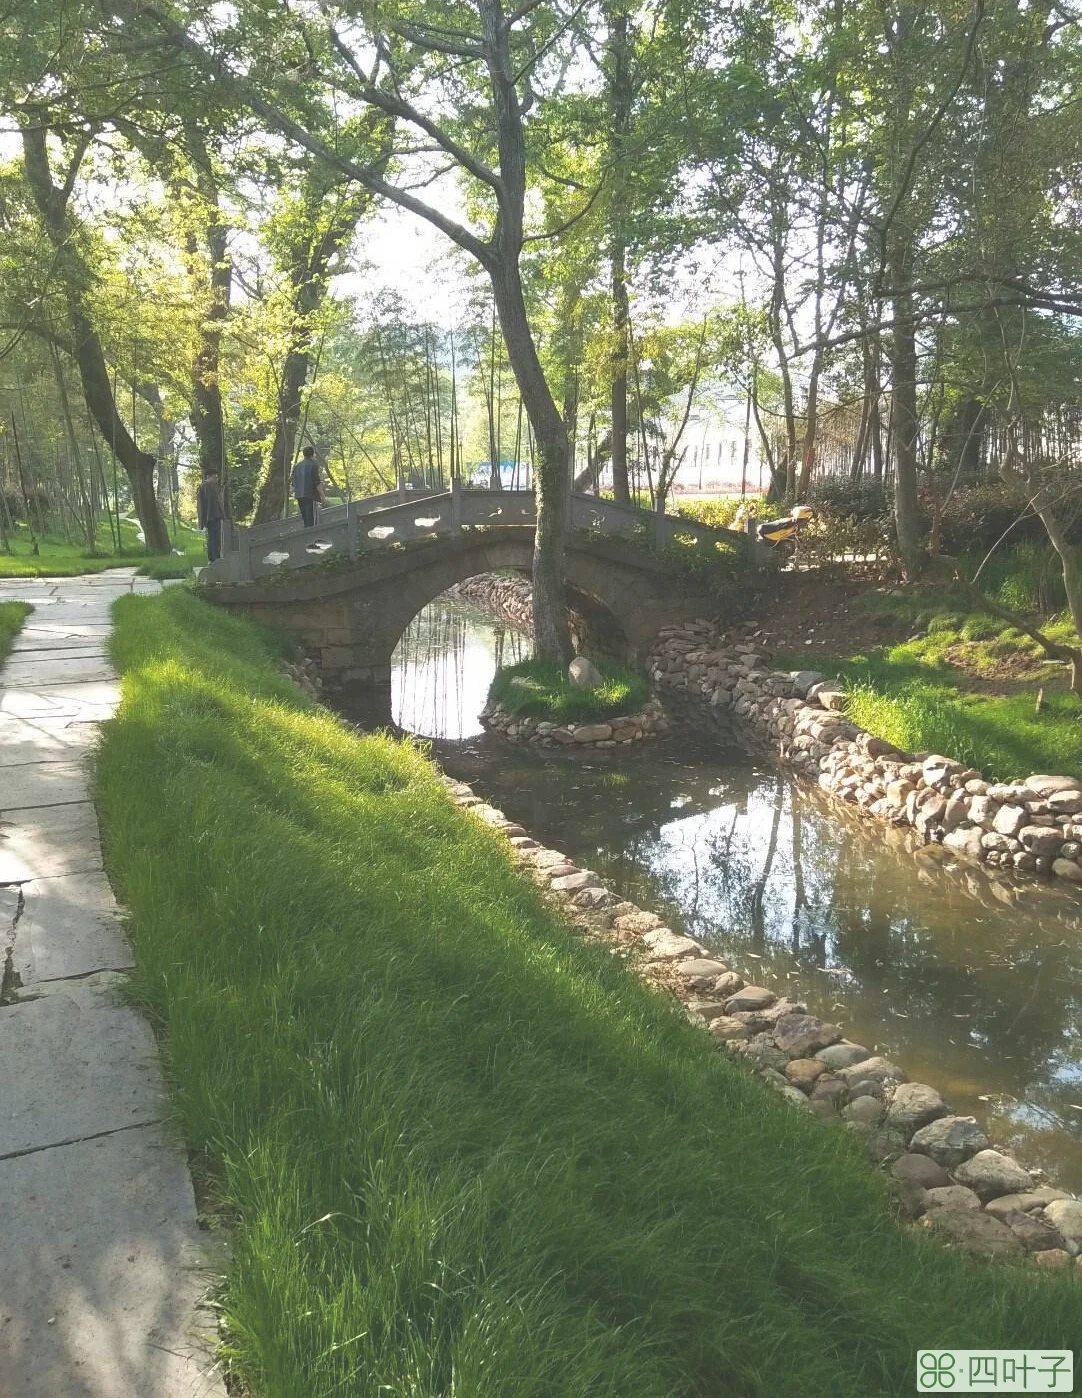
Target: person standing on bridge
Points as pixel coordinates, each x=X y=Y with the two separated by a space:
x=210 y=508
x=307 y=486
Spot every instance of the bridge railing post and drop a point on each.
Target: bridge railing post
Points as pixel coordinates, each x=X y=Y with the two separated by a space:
x=241 y=545
x=456 y=506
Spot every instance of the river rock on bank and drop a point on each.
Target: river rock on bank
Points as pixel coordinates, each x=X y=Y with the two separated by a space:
x=950 y=1140
x=843 y=1055
x=988 y=1174
x=922 y=1170
x=972 y=1229
x=803 y=1035
x=874 y=1070
x=914 y=1105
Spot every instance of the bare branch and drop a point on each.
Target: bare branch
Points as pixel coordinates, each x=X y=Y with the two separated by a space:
x=397 y=106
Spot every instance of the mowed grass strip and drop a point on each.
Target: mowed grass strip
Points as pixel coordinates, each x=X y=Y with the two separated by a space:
x=908 y=695
x=965 y=684
x=65 y=558
x=12 y=619
x=464 y=1151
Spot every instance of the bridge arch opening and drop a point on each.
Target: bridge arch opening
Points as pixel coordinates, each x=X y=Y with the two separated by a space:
x=443 y=663
x=506 y=595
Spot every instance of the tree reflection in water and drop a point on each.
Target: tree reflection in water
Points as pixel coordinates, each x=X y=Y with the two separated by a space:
x=443 y=666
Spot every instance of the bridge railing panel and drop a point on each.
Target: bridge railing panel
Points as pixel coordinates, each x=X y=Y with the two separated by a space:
x=401 y=523
x=298 y=548
x=604 y=517
x=371 y=503
x=495 y=507
x=336 y=514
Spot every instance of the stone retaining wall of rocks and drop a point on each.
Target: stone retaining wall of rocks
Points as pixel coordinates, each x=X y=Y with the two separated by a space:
x=580 y=737
x=1029 y=827
x=945 y=1173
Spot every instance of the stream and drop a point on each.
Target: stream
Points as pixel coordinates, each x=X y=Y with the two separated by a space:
x=971 y=984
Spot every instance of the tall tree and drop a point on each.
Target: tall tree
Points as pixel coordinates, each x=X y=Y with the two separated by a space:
x=53 y=201
x=309 y=232
x=485 y=66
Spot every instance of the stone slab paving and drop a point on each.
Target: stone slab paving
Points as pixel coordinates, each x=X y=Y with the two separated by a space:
x=103 y=1268
x=44 y=784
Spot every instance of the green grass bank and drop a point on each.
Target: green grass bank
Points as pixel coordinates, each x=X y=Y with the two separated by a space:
x=464 y=1152
x=12 y=618
x=62 y=558
x=964 y=684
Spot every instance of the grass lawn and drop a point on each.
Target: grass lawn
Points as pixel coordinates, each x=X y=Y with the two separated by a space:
x=541 y=689
x=57 y=558
x=965 y=685
x=12 y=617
x=463 y=1151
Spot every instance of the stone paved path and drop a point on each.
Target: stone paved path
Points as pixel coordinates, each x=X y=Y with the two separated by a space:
x=102 y=1265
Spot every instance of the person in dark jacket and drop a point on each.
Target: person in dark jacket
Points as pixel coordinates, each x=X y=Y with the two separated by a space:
x=211 y=512
x=307 y=487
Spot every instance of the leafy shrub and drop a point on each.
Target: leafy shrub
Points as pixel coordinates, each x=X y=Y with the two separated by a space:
x=721 y=513
x=865 y=500
x=976 y=517
x=541 y=689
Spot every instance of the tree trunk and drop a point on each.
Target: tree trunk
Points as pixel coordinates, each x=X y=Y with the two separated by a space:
x=138 y=464
x=273 y=490
x=621 y=488
x=619 y=95
x=89 y=355
x=551 y=635
x=207 y=417
x=811 y=427
x=905 y=423
x=165 y=485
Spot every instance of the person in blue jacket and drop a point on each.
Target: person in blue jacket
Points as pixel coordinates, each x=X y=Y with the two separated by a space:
x=307 y=486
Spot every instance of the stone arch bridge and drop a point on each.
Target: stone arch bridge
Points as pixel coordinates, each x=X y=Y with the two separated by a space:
x=349 y=587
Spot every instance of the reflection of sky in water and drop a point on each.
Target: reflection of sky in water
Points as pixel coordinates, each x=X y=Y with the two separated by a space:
x=971 y=987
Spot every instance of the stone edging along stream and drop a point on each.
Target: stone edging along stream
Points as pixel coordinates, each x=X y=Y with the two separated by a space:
x=1029 y=827
x=578 y=737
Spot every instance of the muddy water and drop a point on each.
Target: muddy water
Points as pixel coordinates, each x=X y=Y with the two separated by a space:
x=970 y=984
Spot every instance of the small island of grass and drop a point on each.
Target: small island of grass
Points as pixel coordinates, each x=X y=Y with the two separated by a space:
x=536 y=701
x=542 y=689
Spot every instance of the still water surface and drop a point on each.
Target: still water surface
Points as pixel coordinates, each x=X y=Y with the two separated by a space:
x=969 y=984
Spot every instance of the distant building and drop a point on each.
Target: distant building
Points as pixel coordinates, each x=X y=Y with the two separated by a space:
x=722 y=452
